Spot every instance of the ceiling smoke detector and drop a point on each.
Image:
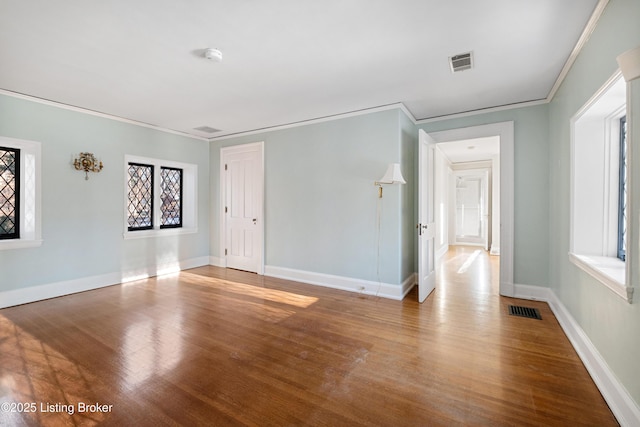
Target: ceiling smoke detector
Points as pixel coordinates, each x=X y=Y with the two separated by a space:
x=461 y=62
x=213 y=54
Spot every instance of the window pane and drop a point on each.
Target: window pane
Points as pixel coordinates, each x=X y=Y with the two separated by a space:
x=622 y=193
x=9 y=193
x=171 y=197
x=140 y=205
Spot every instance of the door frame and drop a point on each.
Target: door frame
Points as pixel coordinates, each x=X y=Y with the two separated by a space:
x=505 y=130
x=224 y=152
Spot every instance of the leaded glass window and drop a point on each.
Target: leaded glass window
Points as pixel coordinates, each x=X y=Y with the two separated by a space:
x=9 y=193
x=170 y=197
x=140 y=199
x=622 y=193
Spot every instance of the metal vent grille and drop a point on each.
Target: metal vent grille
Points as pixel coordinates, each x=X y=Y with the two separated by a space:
x=206 y=129
x=461 y=62
x=528 y=312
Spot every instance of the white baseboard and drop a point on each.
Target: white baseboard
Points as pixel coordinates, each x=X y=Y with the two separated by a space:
x=67 y=287
x=625 y=409
x=217 y=261
x=442 y=251
x=385 y=290
x=495 y=250
x=537 y=293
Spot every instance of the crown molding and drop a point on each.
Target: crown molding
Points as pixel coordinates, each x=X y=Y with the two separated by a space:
x=96 y=113
x=323 y=119
x=582 y=41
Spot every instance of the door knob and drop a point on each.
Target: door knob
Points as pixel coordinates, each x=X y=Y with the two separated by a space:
x=255 y=221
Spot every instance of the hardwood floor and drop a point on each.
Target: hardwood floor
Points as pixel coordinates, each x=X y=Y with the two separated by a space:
x=211 y=346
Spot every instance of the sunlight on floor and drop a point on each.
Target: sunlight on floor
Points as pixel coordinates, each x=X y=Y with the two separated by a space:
x=463 y=269
x=152 y=348
x=35 y=373
x=274 y=295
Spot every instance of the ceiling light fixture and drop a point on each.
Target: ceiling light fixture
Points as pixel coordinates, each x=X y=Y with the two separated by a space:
x=213 y=54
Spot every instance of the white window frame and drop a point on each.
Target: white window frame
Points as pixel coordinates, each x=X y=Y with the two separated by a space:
x=189 y=198
x=30 y=194
x=595 y=136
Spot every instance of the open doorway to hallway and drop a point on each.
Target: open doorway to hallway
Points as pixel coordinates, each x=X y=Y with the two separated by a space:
x=468 y=197
x=499 y=222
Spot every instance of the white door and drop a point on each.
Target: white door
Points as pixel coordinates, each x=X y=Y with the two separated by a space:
x=241 y=168
x=486 y=218
x=472 y=207
x=426 y=225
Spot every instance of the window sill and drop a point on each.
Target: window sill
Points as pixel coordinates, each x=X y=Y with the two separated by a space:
x=19 y=244
x=609 y=271
x=143 y=234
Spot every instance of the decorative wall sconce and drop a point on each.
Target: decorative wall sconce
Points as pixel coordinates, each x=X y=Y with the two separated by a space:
x=393 y=175
x=87 y=162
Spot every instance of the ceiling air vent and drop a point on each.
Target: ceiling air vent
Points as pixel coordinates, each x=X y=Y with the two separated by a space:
x=206 y=129
x=461 y=62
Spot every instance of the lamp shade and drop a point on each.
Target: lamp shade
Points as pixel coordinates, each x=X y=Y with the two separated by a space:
x=393 y=175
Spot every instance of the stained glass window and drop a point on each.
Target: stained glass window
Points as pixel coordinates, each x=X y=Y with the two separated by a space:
x=170 y=197
x=9 y=193
x=140 y=199
x=622 y=193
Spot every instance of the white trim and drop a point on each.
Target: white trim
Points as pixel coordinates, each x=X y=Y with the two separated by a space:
x=602 y=266
x=30 y=151
x=442 y=251
x=217 y=261
x=367 y=287
x=609 y=271
x=584 y=37
x=324 y=119
x=57 y=289
x=97 y=114
x=530 y=292
x=611 y=81
x=507 y=173
x=617 y=397
x=482 y=111
x=189 y=198
x=624 y=408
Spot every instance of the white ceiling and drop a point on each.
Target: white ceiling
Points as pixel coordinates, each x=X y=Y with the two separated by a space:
x=471 y=150
x=284 y=61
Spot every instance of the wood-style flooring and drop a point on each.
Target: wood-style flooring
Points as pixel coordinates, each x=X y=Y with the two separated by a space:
x=217 y=347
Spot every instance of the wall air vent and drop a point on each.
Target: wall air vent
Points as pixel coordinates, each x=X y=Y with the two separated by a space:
x=206 y=129
x=461 y=62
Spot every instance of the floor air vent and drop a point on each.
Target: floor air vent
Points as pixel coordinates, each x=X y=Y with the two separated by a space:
x=528 y=312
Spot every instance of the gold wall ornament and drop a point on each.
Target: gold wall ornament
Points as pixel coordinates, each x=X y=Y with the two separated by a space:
x=87 y=162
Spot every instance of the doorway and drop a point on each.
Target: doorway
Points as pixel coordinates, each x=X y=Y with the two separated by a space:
x=242 y=189
x=472 y=207
x=503 y=195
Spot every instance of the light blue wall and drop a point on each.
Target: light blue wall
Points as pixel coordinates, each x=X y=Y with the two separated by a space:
x=321 y=205
x=531 y=169
x=82 y=221
x=611 y=324
x=409 y=193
